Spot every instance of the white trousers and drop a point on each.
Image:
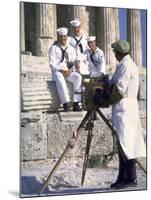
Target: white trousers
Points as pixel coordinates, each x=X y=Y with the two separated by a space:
x=84 y=68
x=63 y=92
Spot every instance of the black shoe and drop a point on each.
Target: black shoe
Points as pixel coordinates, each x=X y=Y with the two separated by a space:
x=124 y=184
x=116 y=184
x=76 y=106
x=131 y=183
x=66 y=107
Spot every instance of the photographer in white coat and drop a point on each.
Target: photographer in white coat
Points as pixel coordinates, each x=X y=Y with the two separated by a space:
x=122 y=95
x=62 y=60
x=79 y=43
x=95 y=57
x=125 y=115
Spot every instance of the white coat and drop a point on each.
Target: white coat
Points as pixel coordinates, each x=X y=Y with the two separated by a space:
x=80 y=56
x=55 y=57
x=97 y=67
x=125 y=113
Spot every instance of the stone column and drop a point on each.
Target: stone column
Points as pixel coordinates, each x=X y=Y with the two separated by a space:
x=134 y=35
x=116 y=21
x=81 y=13
x=22 y=27
x=46 y=28
x=86 y=14
x=107 y=33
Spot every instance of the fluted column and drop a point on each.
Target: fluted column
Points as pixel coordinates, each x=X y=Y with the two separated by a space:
x=134 y=35
x=81 y=13
x=107 y=33
x=46 y=28
x=116 y=21
x=22 y=27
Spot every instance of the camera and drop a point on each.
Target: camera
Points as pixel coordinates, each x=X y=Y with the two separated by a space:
x=92 y=90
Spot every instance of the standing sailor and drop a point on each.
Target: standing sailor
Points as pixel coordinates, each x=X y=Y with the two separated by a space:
x=62 y=59
x=95 y=57
x=79 y=43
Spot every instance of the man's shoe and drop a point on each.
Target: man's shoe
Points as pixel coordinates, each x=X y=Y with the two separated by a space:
x=124 y=184
x=116 y=184
x=131 y=183
x=76 y=107
x=66 y=107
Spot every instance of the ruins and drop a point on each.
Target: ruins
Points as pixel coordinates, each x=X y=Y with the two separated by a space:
x=38 y=24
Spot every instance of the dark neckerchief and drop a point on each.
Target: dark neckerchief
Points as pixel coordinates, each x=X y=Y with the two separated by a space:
x=95 y=62
x=64 y=53
x=79 y=43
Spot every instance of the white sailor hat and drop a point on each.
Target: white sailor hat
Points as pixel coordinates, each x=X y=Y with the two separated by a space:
x=91 y=38
x=75 y=23
x=62 y=31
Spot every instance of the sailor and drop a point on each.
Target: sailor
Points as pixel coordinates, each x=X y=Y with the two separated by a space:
x=79 y=43
x=95 y=57
x=62 y=59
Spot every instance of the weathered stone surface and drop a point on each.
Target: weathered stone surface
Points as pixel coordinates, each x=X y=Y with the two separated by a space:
x=60 y=132
x=67 y=179
x=41 y=95
x=72 y=116
x=142 y=87
x=142 y=106
x=134 y=35
x=28 y=60
x=33 y=137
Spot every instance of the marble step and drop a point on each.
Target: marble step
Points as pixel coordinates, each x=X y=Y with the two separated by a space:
x=40 y=107
x=37 y=98
x=35 y=93
x=36 y=68
x=37 y=84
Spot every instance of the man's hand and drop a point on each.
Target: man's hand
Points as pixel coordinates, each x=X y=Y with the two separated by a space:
x=77 y=66
x=66 y=73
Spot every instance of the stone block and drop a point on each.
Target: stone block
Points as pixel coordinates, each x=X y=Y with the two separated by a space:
x=33 y=137
x=142 y=106
x=59 y=132
x=142 y=87
x=72 y=116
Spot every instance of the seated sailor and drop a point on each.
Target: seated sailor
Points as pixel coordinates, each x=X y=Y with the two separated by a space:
x=62 y=60
x=95 y=57
x=79 y=43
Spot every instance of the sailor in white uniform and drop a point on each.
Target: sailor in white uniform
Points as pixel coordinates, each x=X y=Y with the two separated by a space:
x=79 y=43
x=62 y=59
x=95 y=57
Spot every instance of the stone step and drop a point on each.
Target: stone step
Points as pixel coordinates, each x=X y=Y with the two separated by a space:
x=37 y=97
x=41 y=95
x=72 y=116
x=33 y=76
x=40 y=107
x=38 y=88
x=37 y=84
x=33 y=60
x=35 y=93
x=37 y=102
x=36 y=68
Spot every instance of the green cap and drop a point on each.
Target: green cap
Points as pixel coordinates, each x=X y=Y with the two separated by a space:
x=121 y=46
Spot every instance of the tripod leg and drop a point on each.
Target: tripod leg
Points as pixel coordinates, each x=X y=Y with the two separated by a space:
x=55 y=168
x=119 y=145
x=68 y=147
x=89 y=138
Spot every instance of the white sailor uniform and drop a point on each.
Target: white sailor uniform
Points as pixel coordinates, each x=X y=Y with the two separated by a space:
x=96 y=62
x=60 y=57
x=80 y=46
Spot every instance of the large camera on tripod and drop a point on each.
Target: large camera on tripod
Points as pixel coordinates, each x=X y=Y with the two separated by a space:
x=93 y=89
